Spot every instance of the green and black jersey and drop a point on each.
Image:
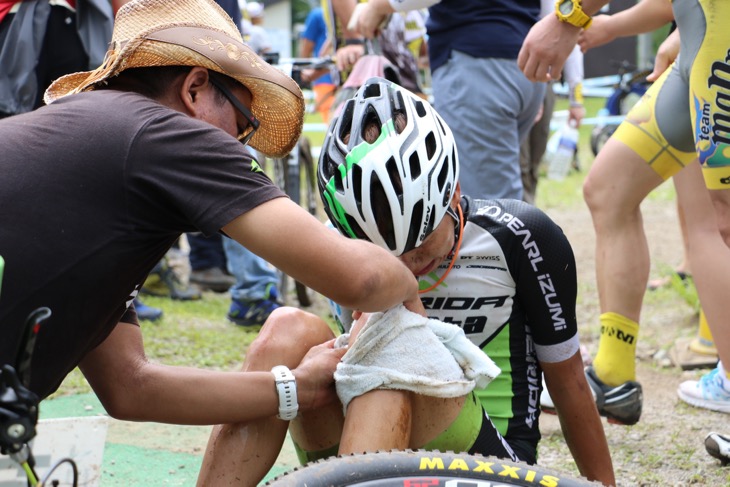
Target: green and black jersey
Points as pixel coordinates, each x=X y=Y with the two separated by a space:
x=512 y=289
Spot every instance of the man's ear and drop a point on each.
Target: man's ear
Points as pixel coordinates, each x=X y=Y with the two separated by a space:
x=195 y=83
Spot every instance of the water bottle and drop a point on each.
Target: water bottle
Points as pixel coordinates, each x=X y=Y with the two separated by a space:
x=562 y=158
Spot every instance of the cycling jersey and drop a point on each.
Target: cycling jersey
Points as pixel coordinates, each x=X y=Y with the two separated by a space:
x=513 y=302
x=686 y=113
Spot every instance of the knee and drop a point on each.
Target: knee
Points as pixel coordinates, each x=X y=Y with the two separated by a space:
x=289 y=332
x=593 y=194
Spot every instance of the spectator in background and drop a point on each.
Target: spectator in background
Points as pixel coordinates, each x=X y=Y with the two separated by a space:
x=40 y=42
x=208 y=263
x=254 y=33
x=312 y=43
x=478 y=87
x=533 y=147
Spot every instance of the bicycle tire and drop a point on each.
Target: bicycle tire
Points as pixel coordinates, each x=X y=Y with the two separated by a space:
x=289 y=176
x=308 y=200
x=422 y=468
x=600 y=135
x=280 y=179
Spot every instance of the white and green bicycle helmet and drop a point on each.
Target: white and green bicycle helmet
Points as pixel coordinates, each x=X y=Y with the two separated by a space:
x=395 y=190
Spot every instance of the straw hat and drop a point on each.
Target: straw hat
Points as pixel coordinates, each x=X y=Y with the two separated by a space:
x=197 y=33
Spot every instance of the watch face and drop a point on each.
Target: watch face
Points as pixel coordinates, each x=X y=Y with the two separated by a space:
x=566 y=7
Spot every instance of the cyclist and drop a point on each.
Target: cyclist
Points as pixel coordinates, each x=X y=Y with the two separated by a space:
x=683 y=116
x=385 y=176
x=101 y=182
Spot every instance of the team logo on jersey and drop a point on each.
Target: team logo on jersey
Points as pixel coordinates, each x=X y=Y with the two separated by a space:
x=713 y=128
x=520 y=230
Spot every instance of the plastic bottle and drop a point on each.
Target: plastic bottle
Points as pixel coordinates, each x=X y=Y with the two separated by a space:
x=561 y=159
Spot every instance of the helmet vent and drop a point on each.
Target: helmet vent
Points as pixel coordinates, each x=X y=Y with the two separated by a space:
x=346 y=121
x=415 y=166
x=395 y=180
x=356 y=178
x=443 y=173
x=415 y=227
x=372 y=91
x=420 y=109
x=338 y=182
x=430 y=145
x=381 y=211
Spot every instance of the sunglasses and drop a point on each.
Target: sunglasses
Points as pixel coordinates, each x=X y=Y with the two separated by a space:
x=253 y=123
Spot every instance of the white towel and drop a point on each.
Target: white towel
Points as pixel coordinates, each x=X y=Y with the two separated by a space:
x=399 y=349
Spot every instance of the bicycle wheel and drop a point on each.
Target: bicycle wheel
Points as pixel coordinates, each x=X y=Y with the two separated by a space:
x=281 y=171
x=600 y=135
x=295 y=175
x=422 y=468
x=308 y=200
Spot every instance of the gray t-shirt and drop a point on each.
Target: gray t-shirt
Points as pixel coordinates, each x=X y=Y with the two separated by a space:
x=95 y=189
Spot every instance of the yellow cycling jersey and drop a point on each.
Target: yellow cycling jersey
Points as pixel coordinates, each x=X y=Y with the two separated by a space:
x=686 y=113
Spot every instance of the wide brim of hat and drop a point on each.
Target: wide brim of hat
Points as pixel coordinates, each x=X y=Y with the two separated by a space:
x=150 y=33
x=280 y=112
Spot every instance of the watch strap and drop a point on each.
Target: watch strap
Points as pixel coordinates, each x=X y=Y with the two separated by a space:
x=286 y=388
x=577 y=17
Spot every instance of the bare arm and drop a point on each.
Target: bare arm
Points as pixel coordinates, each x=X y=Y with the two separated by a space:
x=354 y=273
x=131 y=387
x=579 y=418
x=645 y=16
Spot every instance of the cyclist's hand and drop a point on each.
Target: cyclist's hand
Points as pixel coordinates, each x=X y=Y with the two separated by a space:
x=347 y=56
x=546 y=47
x=598 y=34
x=307 y=75
x=315 y=375
x=665 y=56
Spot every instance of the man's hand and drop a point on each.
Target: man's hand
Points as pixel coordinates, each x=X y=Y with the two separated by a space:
x=347 y=56
x=599 y=34
x=315 y=376
x=546 y=47
x=576 y=113
x=369 y=18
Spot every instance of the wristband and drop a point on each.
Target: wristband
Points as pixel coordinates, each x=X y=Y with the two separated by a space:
x=354 y=42
x=286 y=388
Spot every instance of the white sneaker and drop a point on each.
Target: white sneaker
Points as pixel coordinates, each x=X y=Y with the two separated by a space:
x=708 y=392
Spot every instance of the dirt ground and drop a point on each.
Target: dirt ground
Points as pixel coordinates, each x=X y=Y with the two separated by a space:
x=666 y=446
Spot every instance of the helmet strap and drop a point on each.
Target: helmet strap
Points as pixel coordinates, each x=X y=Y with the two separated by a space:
x=455 y=253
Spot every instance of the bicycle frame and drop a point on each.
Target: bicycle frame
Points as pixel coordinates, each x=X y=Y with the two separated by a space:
x=19 y=405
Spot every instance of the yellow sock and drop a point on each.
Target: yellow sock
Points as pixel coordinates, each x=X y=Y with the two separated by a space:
x=615 y=361
x=703 y=343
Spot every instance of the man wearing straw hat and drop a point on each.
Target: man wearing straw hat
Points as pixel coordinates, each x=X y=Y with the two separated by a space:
x=97 y=186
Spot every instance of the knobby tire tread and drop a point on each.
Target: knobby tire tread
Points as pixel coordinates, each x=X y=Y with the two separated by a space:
x=421 y=467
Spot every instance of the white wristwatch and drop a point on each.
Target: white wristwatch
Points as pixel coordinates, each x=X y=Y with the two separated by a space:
x=286 y=387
